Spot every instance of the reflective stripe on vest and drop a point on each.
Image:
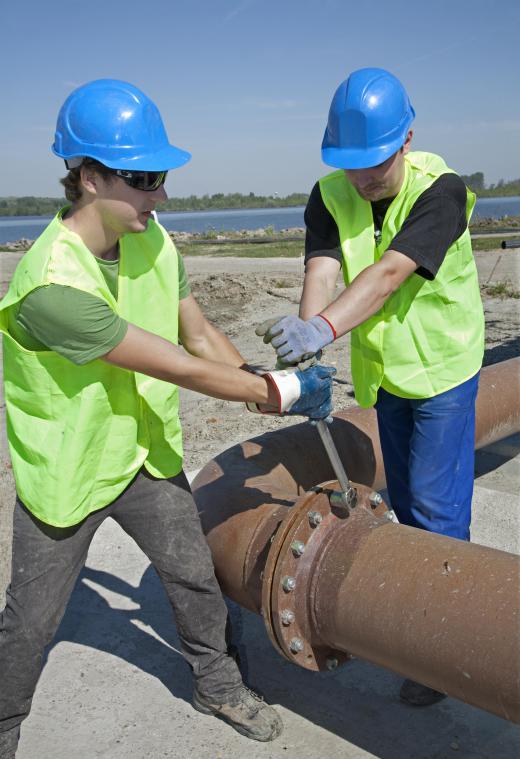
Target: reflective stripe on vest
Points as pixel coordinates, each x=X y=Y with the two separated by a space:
x=429 y=335
x=78 y=434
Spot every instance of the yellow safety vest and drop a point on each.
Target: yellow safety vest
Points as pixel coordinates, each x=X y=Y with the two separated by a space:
x=429 y=335
x=78 y=434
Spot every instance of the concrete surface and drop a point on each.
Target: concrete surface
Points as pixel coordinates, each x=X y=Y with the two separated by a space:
x=114 y=684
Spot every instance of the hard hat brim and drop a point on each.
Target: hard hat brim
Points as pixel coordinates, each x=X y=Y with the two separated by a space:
x=351 y=158
x=170 y=157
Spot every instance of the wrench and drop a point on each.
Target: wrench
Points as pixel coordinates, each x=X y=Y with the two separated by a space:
x=347 y=496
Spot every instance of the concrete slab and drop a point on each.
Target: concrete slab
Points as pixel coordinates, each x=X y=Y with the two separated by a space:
x=114 y=684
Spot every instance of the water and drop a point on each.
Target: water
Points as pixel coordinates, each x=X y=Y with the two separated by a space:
x=15 y=227
x=497 y=208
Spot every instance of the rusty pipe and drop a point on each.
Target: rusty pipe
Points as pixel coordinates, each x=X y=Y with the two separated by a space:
x=251 y=500
x=441 y=611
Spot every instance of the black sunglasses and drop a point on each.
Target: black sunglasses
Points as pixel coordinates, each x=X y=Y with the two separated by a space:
x=142 y=180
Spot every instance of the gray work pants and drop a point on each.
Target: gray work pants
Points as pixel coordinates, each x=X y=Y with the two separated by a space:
x=160 y=515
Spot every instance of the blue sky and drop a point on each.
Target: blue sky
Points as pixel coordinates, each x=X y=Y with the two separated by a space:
x=245 y=85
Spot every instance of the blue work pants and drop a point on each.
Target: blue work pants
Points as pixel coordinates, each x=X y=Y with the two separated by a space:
x=428 y=451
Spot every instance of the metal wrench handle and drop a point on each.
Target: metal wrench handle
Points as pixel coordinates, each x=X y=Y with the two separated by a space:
x=332 y=452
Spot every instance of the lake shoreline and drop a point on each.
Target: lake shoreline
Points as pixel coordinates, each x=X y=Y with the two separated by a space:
x=508 y=226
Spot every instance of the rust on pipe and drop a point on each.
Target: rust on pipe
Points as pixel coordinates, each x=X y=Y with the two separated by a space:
x=441 y=611
x=498 y=402
x=432 y=608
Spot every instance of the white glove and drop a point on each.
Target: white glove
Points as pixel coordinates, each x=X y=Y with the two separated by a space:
x=287 y=387
x=305 y=393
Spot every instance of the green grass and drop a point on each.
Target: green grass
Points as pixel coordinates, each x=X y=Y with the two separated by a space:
x=501 y=290
x=290 y=249
x=487 y=243
x=280 y=247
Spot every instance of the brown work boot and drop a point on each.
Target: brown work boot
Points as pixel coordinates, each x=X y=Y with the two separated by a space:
x=416 y=694
x=245 y=711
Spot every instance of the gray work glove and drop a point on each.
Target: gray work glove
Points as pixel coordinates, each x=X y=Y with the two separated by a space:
x=294 y=339
x=262 y=331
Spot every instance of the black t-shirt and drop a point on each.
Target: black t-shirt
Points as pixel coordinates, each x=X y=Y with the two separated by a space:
x=436 y=220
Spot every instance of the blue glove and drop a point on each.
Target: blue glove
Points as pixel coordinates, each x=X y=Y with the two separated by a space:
x=295 y=339
x=305 y=392
x=315 y=399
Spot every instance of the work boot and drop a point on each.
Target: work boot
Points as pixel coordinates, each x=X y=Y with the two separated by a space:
x=9 y=742
x=416 y=694
x=245 y=711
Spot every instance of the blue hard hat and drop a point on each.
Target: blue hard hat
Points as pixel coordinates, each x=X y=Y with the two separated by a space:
x=118 y=125
x=369 y=119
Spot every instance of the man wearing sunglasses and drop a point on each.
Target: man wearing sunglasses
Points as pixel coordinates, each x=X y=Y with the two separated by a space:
x=91 y=323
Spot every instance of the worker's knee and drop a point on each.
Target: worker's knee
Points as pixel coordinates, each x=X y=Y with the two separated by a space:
x=30 y=625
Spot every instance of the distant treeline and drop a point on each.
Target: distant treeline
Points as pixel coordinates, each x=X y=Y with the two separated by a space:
x=501 y=189
x=220 y=201
x=33 y=206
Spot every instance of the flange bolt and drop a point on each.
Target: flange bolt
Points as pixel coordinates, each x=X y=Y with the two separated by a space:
x=297 y=547
x=287 y=617
x=332 y=662
x=288 y=583
x=315 y=518
x=375 y=498
x=296 y=645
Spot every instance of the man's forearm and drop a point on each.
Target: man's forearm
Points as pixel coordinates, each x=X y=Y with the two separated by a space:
x=149 y=354
x=306 y=393
x=368 y=292
x=213 y=345
x=318 y=292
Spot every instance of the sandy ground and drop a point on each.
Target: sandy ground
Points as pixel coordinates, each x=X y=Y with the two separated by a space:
x=128 y=604
x=236 y=294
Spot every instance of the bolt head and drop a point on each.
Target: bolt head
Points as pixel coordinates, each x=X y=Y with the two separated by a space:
x=287 y=617
x=315 y=518
x=344 y=499
x=297 y=547
x=375 y=498
x=391 y=516
x=332 y=662
x=288 y=583
x=296 y=645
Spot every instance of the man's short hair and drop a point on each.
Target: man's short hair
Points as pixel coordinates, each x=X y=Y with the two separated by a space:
x=72 y=182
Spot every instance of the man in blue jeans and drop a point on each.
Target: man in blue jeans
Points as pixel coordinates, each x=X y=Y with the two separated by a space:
x=396 y=223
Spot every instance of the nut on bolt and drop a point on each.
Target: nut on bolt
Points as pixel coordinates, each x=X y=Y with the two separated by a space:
x=332 y=662
x=375 y=498
x=288 y=583
x=296 y=645
x=315 y=518
x=297 y=547
x=287 y=617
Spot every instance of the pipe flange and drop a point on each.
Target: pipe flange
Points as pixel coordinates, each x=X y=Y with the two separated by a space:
x=287 y=599
x=277 y=541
